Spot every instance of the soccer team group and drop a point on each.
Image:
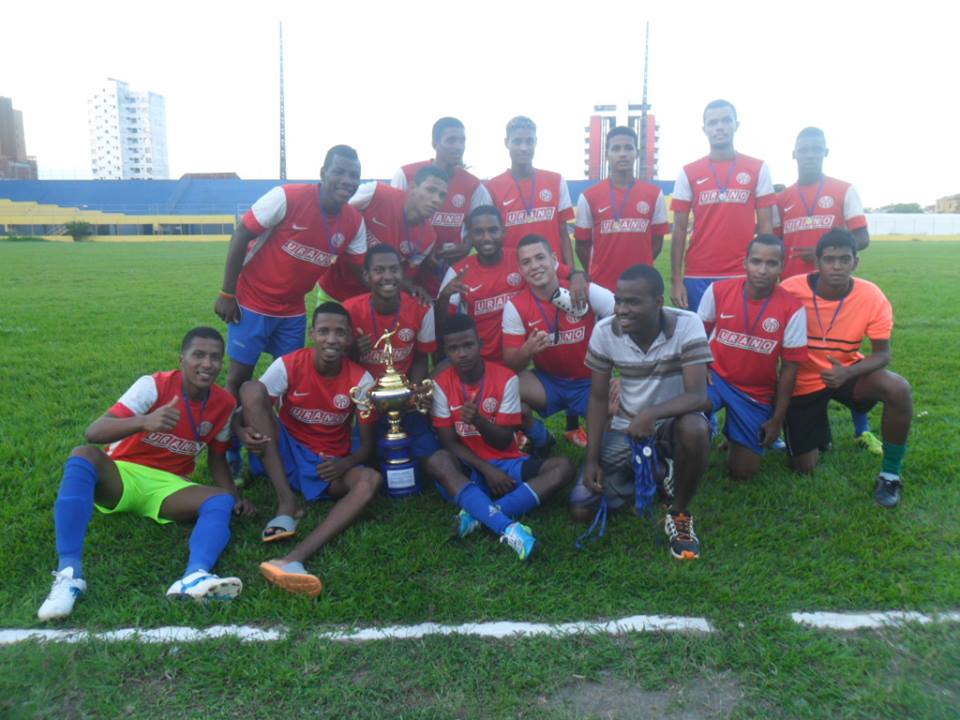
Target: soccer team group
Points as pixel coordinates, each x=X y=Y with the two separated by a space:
x=481 y=276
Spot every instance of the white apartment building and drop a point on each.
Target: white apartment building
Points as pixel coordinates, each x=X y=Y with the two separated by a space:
x=128 y=133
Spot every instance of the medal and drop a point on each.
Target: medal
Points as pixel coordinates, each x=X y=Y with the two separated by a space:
x=616 y=226
x=812 y=207
x=618 y=211
x=722 y=188
x=808 y=222
x=722 y=196
x=531 y=218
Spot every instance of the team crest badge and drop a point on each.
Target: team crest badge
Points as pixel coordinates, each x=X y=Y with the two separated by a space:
x=825 y=203
x=744 y=178
x=514 y=279
x=205 y=427
x=458 y=200
x=341 y=401
x=406 y=334
x=771 y=325
x=546 y=195
x=489 y=405
x=643 y=207
x=336 y=240
x=572 y=318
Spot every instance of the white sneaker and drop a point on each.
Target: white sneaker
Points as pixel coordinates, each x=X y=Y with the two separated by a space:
x=203 y=586
x=64 y=593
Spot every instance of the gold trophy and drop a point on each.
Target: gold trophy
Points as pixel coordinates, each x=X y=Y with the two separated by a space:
x=391 y=396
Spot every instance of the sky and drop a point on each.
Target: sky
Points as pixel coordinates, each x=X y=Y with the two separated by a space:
x=880 y=80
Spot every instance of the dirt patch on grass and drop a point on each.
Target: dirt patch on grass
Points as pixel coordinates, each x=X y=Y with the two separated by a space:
x=613 y=698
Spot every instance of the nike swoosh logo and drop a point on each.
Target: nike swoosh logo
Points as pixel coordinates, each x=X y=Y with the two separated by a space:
x=300 y=394
x=701 y=181
x=507 y=202
x=788 y=208
x=299 y=227
x=724 y=316
x=474 y=289
x=455 y=407
x=377 y=222
x=603 y=209
x=534 y=322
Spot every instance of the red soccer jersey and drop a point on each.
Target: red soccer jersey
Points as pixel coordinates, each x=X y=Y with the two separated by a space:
x=621 y=224
x=498 y=399
x=461 y=191
x=804 y=214
x=299 y=245
x=724 y=197
x=173 y=450
x=750 y=337
x=415 y=331
x=316 y=410
x=569 y=336
x=534 y=205
x=836 y=328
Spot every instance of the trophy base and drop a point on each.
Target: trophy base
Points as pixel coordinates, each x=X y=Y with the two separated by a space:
x=400 y=474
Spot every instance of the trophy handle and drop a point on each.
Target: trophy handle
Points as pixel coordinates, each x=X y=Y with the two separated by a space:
x=363 y=404
x=423 y=399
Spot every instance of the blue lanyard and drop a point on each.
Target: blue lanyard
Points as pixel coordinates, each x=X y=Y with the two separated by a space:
x=326 y=226
x=465 y=396
x=816 y=310
x=376 y=325
x=527 y=205
x=203 y=407
x=812 y=208
x=730 y=172
x=555 y=328
x=618 y=212
x=748 y=328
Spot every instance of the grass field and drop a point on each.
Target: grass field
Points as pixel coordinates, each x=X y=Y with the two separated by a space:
x=79 y=322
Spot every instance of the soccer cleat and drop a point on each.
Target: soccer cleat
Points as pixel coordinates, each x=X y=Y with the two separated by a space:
x=464 y=523
x=869 y=442
x=779 y=444
x=65 y=592
x=576 y=437
x=684 y=544
x=203 y=586
x=520 y=538
x=561 y=299
x=887 y=491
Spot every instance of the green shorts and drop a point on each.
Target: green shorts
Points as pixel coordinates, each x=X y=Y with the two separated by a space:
x=145 y=489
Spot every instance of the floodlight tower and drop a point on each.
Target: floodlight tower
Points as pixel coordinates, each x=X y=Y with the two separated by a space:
x=644 y=172
x=283 y=121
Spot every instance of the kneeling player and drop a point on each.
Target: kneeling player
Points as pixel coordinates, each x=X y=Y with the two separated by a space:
x=476 y=410
x=155 y=431
x=307 y=448
x=662 y=355
x=757 y=326
x=841 y=311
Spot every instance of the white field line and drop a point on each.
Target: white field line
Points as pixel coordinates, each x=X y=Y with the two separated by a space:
x=858 y=621
x=635 y=623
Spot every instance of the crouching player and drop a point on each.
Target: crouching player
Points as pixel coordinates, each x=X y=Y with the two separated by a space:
x=307 y=447
x=841 y=311
x=476 y=410
x=756 y=327
x=154 y=433
x=662 y=355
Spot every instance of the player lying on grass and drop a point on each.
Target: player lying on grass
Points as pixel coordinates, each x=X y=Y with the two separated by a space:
x=841 y=311
x=154 y=433
x=306 y=446
x=758 y=337
x=662 y=356
x=476 y=410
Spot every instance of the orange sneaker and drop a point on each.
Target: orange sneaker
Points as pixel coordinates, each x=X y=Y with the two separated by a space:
x=576 y=437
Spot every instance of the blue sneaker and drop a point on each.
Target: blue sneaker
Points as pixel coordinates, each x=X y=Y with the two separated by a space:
x=464 y=523
x=779 y=444
x=520 y=538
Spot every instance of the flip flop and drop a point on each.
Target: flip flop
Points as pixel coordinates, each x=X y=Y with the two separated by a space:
x=296 y=583
x=280 y=528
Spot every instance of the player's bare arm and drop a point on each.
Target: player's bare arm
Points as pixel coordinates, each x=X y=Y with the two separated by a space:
x=764 y=221
x=678 y=246
x=109 y=428
x=597 y=418
x=693 y=399
x=226 y=306
x=785 y=382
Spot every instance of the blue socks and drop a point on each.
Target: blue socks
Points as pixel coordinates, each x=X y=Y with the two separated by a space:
x=537 y=432
x=73 y=510
x=211 y=533
x=518 y=502
x=476 y=502
x=861 y=423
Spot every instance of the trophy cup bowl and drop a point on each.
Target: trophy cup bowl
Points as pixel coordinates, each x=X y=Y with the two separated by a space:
x=391 y=396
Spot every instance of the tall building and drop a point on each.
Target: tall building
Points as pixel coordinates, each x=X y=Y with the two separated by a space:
x=604 y=119
x=14 y=162
x=128 y=133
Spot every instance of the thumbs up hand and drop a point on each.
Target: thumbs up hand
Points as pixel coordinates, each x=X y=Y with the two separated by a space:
x=164 y=417
x=836 y=375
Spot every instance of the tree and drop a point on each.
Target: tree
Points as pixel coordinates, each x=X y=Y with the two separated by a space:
x=78 y=229
x=903 y=208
